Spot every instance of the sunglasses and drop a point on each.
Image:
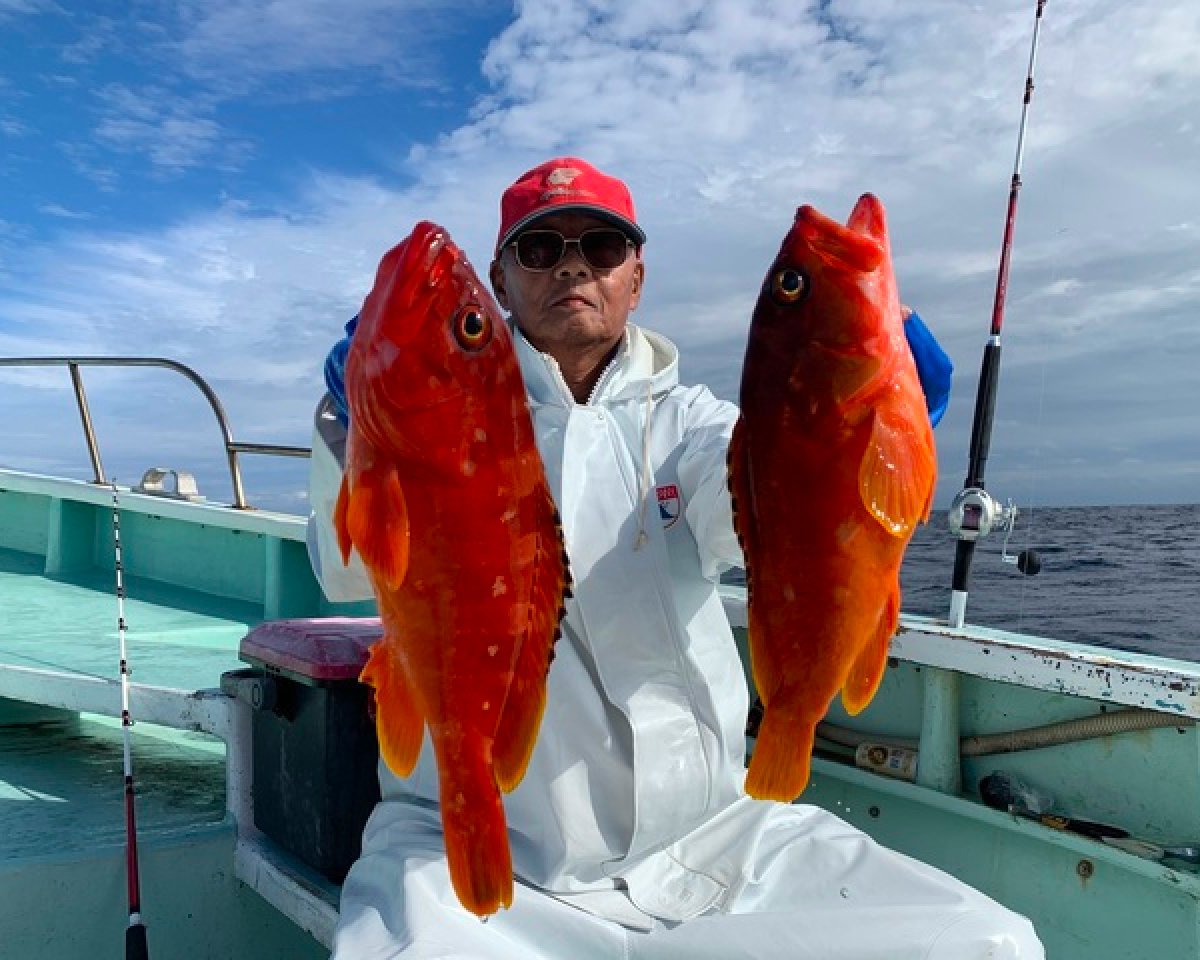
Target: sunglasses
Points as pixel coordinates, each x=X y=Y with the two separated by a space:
x=604 y=248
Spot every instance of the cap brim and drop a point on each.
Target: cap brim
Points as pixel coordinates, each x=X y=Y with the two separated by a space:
x=635 y=232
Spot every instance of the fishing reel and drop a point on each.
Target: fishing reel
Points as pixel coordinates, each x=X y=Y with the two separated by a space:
x=975 y=513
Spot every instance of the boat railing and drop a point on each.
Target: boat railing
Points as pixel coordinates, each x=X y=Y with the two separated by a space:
x=232 y=447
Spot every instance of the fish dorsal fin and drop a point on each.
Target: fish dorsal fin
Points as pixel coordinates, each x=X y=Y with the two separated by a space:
x=371 y=514
x=741 y=494
x=340 y=527
x=766 y=667
x=896 y=476
x=516 y=732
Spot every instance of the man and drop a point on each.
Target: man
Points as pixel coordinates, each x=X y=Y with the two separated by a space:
x=631 y=834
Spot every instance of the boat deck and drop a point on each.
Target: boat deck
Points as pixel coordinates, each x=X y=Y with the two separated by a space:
x=61 y=785
x=69 y=623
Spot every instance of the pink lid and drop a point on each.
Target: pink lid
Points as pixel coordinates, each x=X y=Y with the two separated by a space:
x=329 y=648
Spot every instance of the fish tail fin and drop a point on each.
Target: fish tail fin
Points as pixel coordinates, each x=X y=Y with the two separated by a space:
x=399 y=724
x=866 y=673
x=476 y=832
x=521 y=716
x=780 y=767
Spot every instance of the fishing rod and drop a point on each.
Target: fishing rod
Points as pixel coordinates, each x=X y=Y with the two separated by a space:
x=974 y=512
x=135 y=934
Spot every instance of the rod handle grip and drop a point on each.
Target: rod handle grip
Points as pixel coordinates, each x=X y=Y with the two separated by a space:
x=135 y=943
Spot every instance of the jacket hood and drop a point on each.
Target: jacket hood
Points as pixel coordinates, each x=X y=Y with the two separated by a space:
x=646 y=363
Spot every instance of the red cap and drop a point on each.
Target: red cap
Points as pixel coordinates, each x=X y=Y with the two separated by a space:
x=566 y=183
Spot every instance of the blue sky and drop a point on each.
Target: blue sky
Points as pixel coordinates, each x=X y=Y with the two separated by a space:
x=215 y=181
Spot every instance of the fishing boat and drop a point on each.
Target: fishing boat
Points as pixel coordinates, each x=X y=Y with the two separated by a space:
x=240 y=738
x=1059 y=778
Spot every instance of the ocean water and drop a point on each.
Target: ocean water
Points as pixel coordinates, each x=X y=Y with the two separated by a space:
x=1123 y=577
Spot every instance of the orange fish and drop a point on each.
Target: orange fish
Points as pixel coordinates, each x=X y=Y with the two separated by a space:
x=445 y=499
x=831 y=467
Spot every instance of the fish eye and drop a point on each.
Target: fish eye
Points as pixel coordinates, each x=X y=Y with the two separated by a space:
x=472 y=328
x=788 y=286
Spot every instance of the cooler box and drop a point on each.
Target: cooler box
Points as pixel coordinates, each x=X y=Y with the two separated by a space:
x=315 y=750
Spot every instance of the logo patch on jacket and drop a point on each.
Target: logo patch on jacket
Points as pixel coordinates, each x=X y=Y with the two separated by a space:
x=668 y=505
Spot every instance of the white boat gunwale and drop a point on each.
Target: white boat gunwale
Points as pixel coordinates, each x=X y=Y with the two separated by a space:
x=1096 y=673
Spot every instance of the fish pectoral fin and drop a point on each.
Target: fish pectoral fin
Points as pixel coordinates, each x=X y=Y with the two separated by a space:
x=866 y=673
x=374 y=515
x=399 y=725
x=525 y=702
x=897 y=473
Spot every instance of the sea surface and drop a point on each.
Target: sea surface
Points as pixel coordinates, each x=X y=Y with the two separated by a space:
x=1124 y=577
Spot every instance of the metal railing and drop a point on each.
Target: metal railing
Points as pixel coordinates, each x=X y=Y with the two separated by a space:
x=232 y=447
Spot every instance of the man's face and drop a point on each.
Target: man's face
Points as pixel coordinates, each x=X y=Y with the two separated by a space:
x=573 y=308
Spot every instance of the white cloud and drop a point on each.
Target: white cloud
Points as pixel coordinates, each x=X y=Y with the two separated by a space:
x=1059 y=288
x=18 y=8
x=61 y=212
x=172 y=132
x=82 y=159
x=232 y=45
x=100 y=35
x=723 y=117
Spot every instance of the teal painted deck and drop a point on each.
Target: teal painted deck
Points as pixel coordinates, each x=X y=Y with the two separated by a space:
x=62 y=847
x=176 y=637
x=61 y=785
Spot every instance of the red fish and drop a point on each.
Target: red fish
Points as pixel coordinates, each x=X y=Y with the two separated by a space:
x=831 y=468
x=445 y=499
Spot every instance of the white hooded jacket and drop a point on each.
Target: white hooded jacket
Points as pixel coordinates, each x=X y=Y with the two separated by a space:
x=643 y=739
x=632 y=807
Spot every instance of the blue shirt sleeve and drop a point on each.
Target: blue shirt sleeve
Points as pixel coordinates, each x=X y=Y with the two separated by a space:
x=335 y=372
x=934 y=367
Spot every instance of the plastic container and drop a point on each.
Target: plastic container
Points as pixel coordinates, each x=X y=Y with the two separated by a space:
x=315 y=751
